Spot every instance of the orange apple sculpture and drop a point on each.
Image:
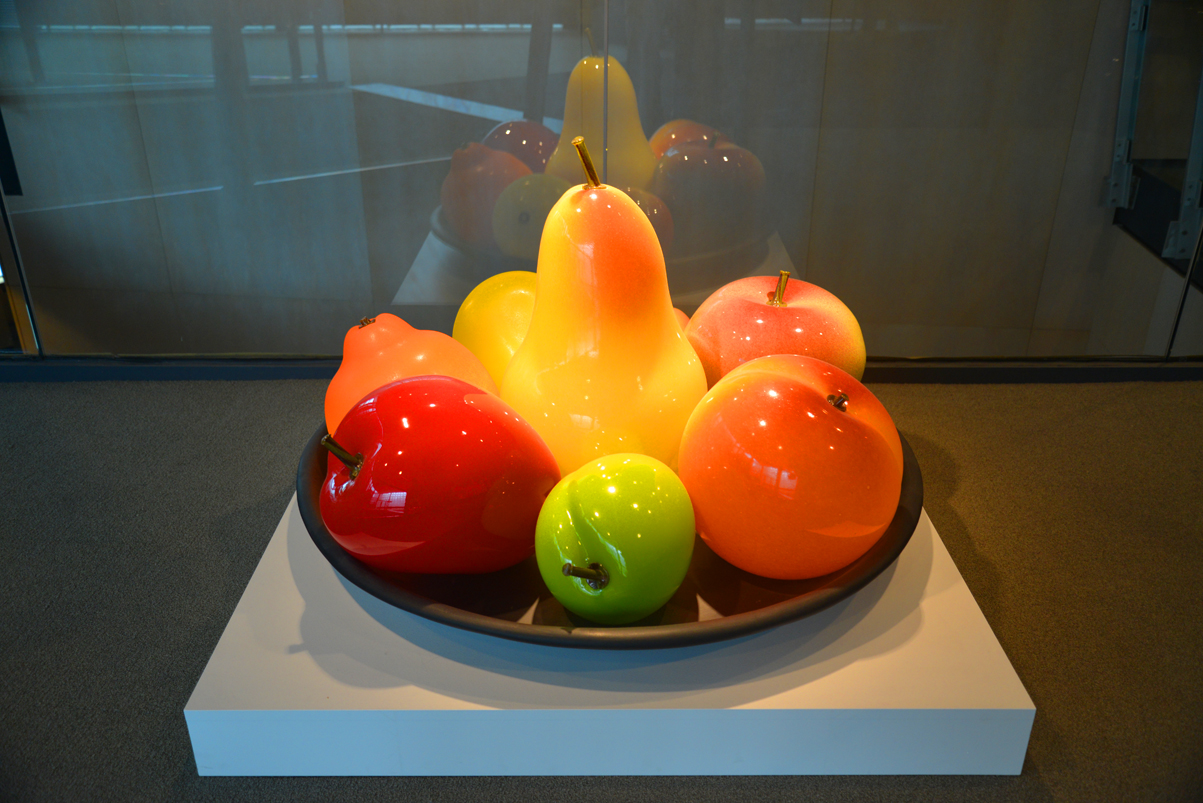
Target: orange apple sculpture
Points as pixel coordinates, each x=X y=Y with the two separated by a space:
x=477 y=178
x=604 y=367
x=794 y=468
x=384 y=349
x=763 y=315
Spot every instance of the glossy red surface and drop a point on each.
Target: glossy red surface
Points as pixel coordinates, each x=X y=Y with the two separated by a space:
x=531 y=142
x=784 y=484
x=737 y=323
x=452 y=480
x=680 y=132
x=715 y=193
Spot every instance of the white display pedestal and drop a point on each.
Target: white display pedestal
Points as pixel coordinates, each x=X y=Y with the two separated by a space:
x=315 y=677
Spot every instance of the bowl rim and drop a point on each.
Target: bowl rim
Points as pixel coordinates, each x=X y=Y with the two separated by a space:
x=839 y=585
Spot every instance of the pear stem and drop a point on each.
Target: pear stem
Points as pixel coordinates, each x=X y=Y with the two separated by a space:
x=596 y=575
x=778 y=299
x=352 y=461
x=583 y=152
x=592 y=46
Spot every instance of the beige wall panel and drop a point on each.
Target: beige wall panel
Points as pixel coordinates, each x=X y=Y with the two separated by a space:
x=917 y=340
x=945 y=129
x=1131 y=283
x=1057 y=342
x=253 y=324
x=1074 y=266
x=300 y=239
x=1189 y=340
x=82 y=321
x=938 y=227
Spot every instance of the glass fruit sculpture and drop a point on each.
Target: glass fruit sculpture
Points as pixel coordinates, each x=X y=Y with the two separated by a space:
x=615 y=538
x=604 y=367
x=433 y=475
x=384 y=349
x=493 y=319
x=794 y=467
x=761 y=315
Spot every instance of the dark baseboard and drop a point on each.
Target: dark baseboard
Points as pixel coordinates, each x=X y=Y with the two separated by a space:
x=932 y=371
x=101 y=369
x=958 y=372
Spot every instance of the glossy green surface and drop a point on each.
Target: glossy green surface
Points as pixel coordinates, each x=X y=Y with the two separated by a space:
x=630 y=514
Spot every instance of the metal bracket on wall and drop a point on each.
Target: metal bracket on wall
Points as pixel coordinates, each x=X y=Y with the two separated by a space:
x=1121 y=189
x=1180 y=239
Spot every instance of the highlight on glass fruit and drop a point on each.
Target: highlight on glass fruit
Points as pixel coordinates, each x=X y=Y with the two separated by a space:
x=794 y=467
x=433 y=475
x=615 y=538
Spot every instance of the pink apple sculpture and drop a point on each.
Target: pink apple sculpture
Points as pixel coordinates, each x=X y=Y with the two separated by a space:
x=763 y=315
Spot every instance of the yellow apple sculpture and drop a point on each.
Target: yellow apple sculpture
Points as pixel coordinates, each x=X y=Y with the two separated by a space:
x=494 y=318
x=630 y=161
x=605 y=367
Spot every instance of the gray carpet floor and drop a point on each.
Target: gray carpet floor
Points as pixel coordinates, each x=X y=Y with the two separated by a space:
x=132 y=516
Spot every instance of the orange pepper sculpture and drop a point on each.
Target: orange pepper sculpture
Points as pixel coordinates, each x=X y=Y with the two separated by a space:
x=384 y=349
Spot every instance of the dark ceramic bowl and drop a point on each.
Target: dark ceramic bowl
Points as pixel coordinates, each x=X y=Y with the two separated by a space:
x=717 y=601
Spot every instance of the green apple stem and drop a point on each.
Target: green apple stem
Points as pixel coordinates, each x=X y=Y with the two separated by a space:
x=583 y=152
x=365 y=321
x=596 y=575
x=352 y=461
x=778 y=299
x=839 y=402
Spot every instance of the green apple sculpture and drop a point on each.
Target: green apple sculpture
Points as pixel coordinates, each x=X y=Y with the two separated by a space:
x=615 y=538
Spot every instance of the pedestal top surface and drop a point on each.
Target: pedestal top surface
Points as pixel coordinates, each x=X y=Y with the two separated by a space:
x=302 y=637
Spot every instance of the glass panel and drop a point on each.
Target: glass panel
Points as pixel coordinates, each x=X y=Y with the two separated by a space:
x=1188 y=338
x=254 y=178
x=937 y=166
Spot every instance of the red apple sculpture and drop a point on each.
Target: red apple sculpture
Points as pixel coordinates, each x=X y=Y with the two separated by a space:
x=763 y=315
x=433 y=475
x=794 y=467
x=477 y=178
x=715 y=192
x=680 y=132
x=531 y=142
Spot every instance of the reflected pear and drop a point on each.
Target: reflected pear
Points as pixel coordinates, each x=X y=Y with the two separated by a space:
x=630 y=161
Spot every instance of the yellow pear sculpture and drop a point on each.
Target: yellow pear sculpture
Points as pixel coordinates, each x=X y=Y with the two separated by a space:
x=630 y=161
x=604 y=367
